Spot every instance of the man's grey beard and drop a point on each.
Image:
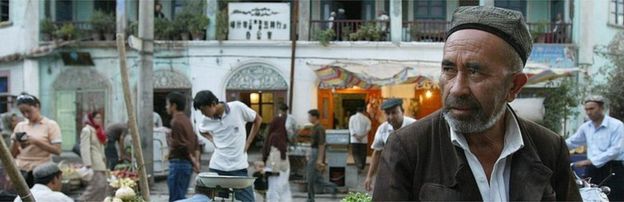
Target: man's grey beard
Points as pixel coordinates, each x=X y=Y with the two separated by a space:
x=478 y=123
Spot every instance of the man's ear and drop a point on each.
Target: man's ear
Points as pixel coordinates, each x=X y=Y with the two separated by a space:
x=518 y=81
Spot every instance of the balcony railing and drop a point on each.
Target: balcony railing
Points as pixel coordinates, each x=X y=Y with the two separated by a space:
x=435 y=31
x=351 y=30
x=551 y=32
x=425 y=30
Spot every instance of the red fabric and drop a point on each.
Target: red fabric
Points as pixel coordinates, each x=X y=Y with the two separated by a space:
x=101 y=135
x=276 y=137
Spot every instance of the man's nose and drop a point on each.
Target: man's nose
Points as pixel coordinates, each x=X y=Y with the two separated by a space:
x=460 y=85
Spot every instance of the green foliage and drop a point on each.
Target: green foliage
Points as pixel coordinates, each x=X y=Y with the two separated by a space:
x=614 y=70
x=560 y=103
x=133 y=28
x=357 y=197
x=47 y=26
x=222 y=25
x=102 y=22
x=163 y=29
x=199 y=23
x=325 y=36
x=67 y=32
x=367 y=32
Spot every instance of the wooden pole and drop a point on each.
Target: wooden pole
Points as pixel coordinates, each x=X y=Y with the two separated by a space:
x=293 y=38
x=134 y=129
x=16 y=177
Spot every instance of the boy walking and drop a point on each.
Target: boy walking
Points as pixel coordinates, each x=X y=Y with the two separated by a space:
x=183 y=148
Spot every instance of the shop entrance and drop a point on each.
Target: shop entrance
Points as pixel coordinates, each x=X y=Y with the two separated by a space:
x=336 y=106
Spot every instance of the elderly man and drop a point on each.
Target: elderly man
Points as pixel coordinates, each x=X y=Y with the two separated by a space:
x=476 y=148
x=48 y=184
x=604 y=137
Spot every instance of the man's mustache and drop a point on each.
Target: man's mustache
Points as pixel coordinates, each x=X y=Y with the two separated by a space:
x=463 y=102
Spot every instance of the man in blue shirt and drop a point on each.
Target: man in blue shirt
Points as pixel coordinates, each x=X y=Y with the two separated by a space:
x=604 y=137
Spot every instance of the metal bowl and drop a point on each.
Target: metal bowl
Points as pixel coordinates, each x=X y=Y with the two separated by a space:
x=211 y=180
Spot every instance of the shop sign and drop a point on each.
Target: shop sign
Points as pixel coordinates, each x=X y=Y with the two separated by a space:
x=259 y=21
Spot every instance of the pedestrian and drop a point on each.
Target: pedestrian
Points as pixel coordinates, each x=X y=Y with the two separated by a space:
x=224 y=125
x=316 y=158
x=48 y=184
x=183 y=148
x=92 y=140
x=340 y=24
x=291 y=123
x=34 y=140
x=115 y=147
x=382 y=24
x=9 y=121
x=604 y=137
x=359 y=126
x=396 y=119
x=475 y=148
x=158 y=11
x=275 y=156
x=330 y=20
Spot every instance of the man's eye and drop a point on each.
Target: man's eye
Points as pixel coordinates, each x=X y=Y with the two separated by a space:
x=448 y=70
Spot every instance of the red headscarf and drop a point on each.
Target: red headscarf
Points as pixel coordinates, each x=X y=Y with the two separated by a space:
x=99 y=131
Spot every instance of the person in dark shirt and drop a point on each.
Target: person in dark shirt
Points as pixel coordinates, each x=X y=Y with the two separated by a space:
x=158 y=11
x=316 y=158
x=114 y=150
x=183 y=152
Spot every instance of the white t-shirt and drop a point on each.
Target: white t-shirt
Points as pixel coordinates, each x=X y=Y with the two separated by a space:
x=229 y=136
x=44 y=193
x=384 y=131
x=359 y=125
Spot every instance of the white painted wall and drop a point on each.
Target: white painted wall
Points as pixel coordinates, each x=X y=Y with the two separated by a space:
x=212 y=63
x=20 y=37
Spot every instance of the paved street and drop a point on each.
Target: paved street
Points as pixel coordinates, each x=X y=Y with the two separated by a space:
x=159 y=190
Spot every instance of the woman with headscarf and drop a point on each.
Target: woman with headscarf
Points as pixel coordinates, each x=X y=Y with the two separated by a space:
x=92 y=140
x=275 y=156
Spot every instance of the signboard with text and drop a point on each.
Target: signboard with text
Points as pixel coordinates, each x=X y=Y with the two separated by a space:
x=259 y=21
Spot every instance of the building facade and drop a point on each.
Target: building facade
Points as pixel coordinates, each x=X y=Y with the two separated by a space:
x=83 y=76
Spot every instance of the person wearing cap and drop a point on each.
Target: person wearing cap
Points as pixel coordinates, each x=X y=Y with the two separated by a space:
x=475 y=148
x=48 y=185
x=604 y=137
x=224 y=125
x=395 y=119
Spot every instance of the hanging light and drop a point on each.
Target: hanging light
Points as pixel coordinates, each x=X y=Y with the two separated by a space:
x=255 y=98
x=428 y=94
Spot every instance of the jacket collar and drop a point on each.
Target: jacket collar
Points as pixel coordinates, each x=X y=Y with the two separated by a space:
x=528 y=175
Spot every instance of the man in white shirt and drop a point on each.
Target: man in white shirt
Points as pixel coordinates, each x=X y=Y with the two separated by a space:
x=224 y=125
x=47 y=178
x=359 y=126
x=393 y=108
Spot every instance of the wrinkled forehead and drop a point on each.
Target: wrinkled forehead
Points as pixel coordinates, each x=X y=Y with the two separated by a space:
x=473 y=45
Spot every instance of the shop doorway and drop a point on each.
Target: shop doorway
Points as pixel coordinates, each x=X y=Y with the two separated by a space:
x=334 y=106
x=160 y=102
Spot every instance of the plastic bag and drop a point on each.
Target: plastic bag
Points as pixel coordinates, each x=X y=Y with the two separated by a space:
x=86 y=174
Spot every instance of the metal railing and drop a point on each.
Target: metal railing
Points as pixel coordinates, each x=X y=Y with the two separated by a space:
x=352 y=30
x=551 y=32
x=425 y=30
x=435 y=31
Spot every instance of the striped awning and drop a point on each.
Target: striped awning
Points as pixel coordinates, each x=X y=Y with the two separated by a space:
x=539 y=73
x=366 y=75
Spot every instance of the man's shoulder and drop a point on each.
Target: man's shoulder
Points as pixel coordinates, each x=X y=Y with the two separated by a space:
x=616 y=122
x=422 y=128
x=541 y=137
